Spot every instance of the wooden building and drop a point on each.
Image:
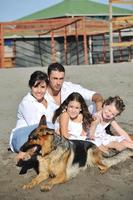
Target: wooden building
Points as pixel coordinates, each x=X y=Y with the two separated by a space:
x=71 y=32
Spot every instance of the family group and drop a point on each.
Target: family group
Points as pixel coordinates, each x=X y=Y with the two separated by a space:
x=71 y=110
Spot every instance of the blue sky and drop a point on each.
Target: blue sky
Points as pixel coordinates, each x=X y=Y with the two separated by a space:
x=14 y=9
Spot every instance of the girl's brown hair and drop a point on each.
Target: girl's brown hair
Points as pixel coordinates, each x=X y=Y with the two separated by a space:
x=75 y=96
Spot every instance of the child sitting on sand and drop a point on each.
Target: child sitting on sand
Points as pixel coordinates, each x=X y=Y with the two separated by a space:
x=112 y=107
x=72 y=118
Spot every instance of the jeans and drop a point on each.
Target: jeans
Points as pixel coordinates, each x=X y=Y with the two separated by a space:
x=20 y=136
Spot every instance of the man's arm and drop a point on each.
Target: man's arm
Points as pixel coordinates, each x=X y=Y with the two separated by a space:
x=98 y=99
x=89 y=95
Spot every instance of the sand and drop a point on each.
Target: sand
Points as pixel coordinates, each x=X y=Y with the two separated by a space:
x=115 y=184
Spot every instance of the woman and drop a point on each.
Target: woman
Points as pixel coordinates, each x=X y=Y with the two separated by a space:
x=30 y=110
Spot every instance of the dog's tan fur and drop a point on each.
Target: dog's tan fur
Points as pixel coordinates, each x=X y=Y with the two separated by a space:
x=56 y=159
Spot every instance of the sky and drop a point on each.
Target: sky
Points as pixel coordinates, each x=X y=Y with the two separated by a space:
x=14 y=9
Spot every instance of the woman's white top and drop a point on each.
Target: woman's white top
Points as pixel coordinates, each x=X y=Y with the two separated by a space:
x=30 y=112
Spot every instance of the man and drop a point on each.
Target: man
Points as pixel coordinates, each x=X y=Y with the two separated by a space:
x=58 y=89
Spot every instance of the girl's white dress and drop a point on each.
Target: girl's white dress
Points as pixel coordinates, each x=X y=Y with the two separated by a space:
x=74 y=130
x=102 y=138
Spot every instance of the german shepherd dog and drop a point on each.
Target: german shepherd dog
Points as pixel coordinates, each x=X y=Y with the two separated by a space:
x=60 y=159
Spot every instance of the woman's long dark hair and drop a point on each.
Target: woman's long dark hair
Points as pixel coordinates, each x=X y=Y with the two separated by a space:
x=38 y=76
x=75 y=96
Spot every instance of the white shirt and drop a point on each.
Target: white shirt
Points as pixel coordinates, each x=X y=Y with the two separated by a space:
x=30 y=112
x=67 y=89
x=102 y=138
x=74 y=130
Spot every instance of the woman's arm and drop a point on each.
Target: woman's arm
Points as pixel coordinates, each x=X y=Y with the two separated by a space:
x=63 y=124
x=120 y=130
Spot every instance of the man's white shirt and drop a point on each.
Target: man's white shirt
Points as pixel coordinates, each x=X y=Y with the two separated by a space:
x=67 y=89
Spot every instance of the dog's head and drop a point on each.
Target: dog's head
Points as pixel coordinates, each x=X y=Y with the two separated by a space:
x=44 y=138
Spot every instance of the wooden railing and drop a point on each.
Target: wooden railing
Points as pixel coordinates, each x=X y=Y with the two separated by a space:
x=112 y=22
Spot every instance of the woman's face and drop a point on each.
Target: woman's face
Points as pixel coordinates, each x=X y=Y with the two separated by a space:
x=39 y=91
x=109 y=111
x=73 y=109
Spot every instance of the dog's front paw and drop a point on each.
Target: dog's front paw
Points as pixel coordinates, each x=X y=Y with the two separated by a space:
x=102 y=171
x=46 y=188
x=27 y=186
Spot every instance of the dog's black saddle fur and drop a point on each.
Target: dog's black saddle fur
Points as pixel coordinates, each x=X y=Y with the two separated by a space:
x=80 y=149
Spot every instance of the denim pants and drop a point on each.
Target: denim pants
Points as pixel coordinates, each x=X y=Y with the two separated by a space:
x=20 y=136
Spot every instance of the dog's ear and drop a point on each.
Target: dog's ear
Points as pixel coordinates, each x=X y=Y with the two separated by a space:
x=42 y=121
x=41 y=126
x=49 y=131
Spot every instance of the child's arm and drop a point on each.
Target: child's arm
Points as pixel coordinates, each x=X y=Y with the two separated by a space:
x=83 y=133
x=120 y=130
x=93 y=128
x=63 y=124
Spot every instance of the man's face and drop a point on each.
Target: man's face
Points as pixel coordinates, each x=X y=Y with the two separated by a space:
x=56 y=80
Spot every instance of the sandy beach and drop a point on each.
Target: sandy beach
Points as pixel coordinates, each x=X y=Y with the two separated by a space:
x=116 y=79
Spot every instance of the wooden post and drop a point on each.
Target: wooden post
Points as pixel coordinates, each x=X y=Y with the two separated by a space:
x=90 y=51
x=65 y=46
x=85 y=43
x=77 y=44
x=1 y=46
x=110 y=32
x=121 y=57
x=53 y=46
x=14 y=52
x=104 y=48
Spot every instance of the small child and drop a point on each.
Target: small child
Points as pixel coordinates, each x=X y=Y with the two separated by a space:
x=112 y=107
x=72 y=118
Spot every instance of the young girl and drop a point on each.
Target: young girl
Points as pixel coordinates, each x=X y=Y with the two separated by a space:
x=112 y=107
x=72 y=118
x=30 y=110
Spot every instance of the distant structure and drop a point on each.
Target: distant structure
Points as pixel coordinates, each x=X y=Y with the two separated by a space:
x=72 y=32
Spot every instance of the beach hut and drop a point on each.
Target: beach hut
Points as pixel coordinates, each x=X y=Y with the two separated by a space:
x=70 y=32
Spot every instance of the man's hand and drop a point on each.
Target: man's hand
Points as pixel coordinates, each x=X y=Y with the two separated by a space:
x=98 y=99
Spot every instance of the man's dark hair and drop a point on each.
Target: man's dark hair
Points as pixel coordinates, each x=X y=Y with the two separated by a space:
x=55 y=67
